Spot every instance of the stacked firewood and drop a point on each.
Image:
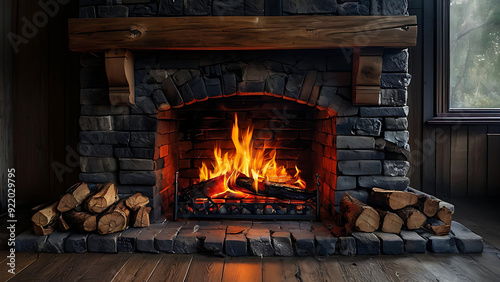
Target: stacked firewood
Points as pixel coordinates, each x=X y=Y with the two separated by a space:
x=84 y=211
x=390 y=211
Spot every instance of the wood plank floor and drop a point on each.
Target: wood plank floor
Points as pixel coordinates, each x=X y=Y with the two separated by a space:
x=169 y=267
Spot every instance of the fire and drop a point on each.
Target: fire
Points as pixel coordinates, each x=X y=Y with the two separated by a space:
x=246 y=160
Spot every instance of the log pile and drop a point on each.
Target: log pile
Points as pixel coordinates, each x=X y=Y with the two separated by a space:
x=390 y=211
x=101 y=211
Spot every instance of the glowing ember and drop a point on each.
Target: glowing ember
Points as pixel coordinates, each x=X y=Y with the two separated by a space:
x=248 y=161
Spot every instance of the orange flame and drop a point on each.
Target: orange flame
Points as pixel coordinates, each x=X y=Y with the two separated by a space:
x=248 y=161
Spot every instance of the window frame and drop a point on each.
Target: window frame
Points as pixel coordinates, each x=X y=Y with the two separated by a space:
x=443 y=113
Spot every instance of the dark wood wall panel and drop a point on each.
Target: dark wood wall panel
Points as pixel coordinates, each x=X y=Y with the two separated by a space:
x=458 y=168
x=443 y=161
x=493 y=179
x=477 y=160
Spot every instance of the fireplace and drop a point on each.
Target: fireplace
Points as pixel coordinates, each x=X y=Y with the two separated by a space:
x=151 y=118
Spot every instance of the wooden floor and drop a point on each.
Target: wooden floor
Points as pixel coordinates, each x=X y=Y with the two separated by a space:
x=168 y=267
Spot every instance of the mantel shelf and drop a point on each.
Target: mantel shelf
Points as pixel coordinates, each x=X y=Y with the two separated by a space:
x=242 y=33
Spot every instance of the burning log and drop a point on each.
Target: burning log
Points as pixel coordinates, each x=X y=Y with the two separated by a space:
x=361 y=216
x=140 y=218
x=412 y=218
x=390 y=222
x=46 y=215
x=437 y=227
x=105 y=197
x=427 y=205
x=391 y=199
x=137 y=201
x=81 y=221
x=206 y=189
x=115 y=219
x=273 y=189
x=75 y=195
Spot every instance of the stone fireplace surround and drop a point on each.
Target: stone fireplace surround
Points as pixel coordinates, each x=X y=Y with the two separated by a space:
x=139 y=147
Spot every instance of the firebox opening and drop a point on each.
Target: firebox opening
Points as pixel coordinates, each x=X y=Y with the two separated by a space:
x=301 y=137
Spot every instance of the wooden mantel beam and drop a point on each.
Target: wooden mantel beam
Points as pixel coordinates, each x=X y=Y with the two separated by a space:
x=242 y=33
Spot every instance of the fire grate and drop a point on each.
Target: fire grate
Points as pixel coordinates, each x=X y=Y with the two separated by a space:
x=269 y=209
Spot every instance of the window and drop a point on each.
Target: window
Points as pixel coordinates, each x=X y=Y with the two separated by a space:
x=474 y=54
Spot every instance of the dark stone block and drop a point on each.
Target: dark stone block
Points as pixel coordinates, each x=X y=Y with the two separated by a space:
x=29 y=242
x=148 y=191
x=228 y=8
x=143 y=105
x=89 y=150
x=93 y=164
x=352 y=9
x=196 y=7
x=395 y=168
x=138 y=177
x=293 y=86
x=395 y=80
x=393 y=7
x=395 y=60
x=413 y=242
x=236 y=245
x=86 y=12
x=187 y=242
x=135 y=123
x=346 y=183
x=127 y=240
x=466 y=240
x=145 y=242
x=355 y=142
x=105 y=137
x=273 y=8
x=399 y=138
x=251 y=87
x=396 y=123
x=259 y=242
x=100 y=177
x=384 y=182
x=344 y=125
x=303 y=241
x=213 y=87
x=344 y=155
x=171 y=8
x=384 y=111
x=93 y=77
x=327 y=96
x=325 y=243
x=97 y=243
x=146 y=90
x=254 y=7
x=137 y=164
x=142 y=139
x=229 y=84
x=104 y=110
x=363 y=167
x=182 y=76
x=368 y=126
x=198 y=88
x=96 y=123
x=117 y=11
x=144 y=10
x=137 y=153
x=76 y=243
x=439 y=244
x=276 y=85
x=282 y=244
x=367 y=243
x=392 y=244
x=171 y=92
x=164 y=241
x=347 y=246
x=309 y=6
x=214 y=241
x=360 y=194
x=159 y=98
x=94 y=96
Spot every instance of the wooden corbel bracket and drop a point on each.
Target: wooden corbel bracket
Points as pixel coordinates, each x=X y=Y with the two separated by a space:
x=120 y=73
x=366 y=74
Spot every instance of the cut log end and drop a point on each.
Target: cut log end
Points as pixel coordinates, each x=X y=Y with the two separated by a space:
x=390 y=222
x=445 y=215
x=368 y=220
x=137 y=201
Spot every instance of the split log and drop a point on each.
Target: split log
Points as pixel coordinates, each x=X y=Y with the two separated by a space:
x=60 y=224
x=141 y=217
x=46 y=215
x=361 y=216
x=209 y=188
x=137 y=201
x=273 y=189
x=42 y=230
x=80 y=221
x=437 y=227
x=445 y=215
x=390 y=222
x=391 y=199
x=75 y=195
x=412 y=218
x=441 y=202
x=115 y=219
x=104 y=198
x=427 y=205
